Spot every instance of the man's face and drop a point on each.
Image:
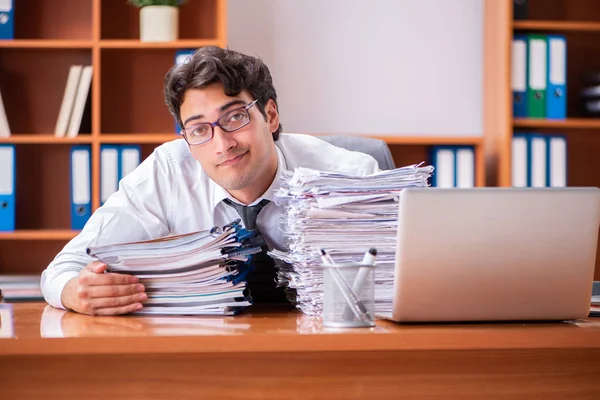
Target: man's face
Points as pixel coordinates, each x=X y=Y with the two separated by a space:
x=234 y=160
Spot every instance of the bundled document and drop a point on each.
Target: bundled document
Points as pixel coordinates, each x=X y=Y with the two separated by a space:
x=200 y=273
x=346 y=215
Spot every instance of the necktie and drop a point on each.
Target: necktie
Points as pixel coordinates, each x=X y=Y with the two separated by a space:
x=261 y=280
x=248 y=213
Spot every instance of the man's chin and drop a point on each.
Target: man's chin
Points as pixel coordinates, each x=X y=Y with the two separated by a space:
x=236 y=183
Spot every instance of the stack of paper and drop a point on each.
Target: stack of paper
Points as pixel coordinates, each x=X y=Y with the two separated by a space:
x=346 y=215
x=201 y=273
x=15 y=288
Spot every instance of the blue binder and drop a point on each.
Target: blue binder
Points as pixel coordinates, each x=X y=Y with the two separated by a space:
x=556 y=87
x=556 y=157
x=537 y=156
x=454 y=166
x=7 y=25
x=181 y=57
x=519 y=75
x=464 y=166
x=81 y=186
x=443 y=159
x=110 y=171
x=7 y=187
x=520 y=165
x=129 y=159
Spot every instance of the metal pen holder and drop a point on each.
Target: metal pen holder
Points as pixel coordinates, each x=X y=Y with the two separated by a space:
x=348 y=295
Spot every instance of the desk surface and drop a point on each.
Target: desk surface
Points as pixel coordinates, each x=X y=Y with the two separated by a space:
x=43 y=330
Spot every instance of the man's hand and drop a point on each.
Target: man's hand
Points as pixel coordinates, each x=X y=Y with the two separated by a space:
x=95 y=292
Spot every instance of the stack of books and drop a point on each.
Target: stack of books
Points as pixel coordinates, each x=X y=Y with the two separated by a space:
x=15 y=288
x=200 y=273
x=346 y=215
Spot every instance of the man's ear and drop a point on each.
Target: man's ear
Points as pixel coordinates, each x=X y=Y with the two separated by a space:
x=272 y=115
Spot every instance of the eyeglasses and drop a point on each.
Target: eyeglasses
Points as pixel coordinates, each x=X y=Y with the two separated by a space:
x=230 y=122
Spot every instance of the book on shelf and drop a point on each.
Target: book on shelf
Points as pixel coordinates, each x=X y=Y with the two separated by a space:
x=7 y=24
x=76 y=102
x=4 y=127
x=68 y=100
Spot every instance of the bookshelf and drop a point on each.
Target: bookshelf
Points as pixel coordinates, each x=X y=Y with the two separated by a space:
x=579 y=21
x=126 y=106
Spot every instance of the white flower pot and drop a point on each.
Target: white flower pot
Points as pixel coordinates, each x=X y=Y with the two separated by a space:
x=159 y=24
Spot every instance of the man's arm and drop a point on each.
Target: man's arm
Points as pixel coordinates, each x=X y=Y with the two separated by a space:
x=138 y=211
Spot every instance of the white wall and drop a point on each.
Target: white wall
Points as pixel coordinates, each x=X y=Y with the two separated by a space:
x=405 y=67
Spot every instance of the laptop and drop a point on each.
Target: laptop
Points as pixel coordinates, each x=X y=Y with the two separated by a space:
x=495 y=254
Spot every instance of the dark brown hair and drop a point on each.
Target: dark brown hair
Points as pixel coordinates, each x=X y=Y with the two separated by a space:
x=211 y=64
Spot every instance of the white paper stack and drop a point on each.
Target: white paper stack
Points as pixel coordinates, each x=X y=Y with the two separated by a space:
x=200 y=273
x=346 y=215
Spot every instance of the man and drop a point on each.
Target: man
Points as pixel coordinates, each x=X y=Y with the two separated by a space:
x=230 y=157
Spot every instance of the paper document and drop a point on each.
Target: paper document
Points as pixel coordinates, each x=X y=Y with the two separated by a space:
x=200 y=273
x=346 y=215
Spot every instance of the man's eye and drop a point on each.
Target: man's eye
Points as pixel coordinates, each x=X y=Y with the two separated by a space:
x=236 y=116
x=200 y=131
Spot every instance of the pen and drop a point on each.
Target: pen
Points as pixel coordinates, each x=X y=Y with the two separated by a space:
x=363 y=272
x=362 y=276
x=354 y=304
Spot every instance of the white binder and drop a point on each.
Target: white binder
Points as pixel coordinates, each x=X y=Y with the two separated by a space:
x=465 y=167
x=539 y=166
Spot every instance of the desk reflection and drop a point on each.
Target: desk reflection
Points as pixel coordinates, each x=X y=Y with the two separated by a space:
x=57 y=323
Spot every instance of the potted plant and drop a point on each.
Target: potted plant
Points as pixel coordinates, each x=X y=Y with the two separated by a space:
x=159 y=19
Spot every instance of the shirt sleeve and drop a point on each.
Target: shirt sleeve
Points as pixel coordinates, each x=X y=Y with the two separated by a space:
x=139 y=210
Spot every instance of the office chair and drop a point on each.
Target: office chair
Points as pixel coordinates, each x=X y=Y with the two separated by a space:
x=376 y=148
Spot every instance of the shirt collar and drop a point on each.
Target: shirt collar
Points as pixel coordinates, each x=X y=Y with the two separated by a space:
x=220 y=194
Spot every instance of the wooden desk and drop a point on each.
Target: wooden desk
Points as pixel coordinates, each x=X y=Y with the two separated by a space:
x=280 y=353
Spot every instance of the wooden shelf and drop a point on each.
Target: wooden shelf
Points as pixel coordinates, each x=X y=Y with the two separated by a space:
x=49 y=234
x=44 y=139
x=432 y=140
x=426 y=140
x=569 y=123
x=136 y=44
x=557 y=26
x=46 y=44
x=138 y=137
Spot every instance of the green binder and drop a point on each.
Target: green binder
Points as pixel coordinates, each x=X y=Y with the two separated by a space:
x=537 y=77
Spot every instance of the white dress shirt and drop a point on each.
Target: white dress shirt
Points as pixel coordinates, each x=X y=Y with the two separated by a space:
x=169 y=194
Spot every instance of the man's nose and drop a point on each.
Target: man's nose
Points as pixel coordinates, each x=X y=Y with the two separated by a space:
x=223 y=141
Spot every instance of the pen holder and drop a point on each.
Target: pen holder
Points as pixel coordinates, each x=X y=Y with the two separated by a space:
x=348 y=295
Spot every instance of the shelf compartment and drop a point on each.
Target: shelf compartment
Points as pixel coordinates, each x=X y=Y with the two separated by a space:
x=17 y=257
x=583 y=148
x=583 y=58
x=132 y=91
x=44 y=19
x=43 y=195
x=33 y=83
x=416 y=153
x=197 y=19
x=564 y=10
